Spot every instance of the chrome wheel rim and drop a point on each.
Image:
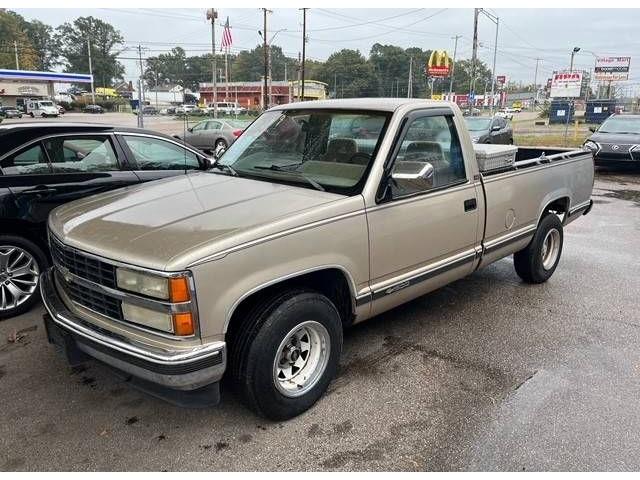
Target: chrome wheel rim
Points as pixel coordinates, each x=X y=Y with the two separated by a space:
x=18 y=276
x=550 y=248
x=301 y=359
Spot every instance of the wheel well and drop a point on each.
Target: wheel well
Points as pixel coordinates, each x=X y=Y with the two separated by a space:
x=559 y=206
x=331 y=282
x=26 y=230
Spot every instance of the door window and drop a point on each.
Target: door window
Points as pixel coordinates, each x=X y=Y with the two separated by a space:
x=430 y=157
x=214 y=125
x=157 y=154
x=83 y=153
x=199 y=126
x=32 y=160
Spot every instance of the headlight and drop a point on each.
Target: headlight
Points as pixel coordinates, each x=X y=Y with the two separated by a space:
x=475 y=139
x=147 y=317
x=591 y=145
x=175 y=289
x=143 y=283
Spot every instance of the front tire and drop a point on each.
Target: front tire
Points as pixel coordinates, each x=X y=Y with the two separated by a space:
x=537 y=262
x=221 y=143
x=21 y=262
x=284 y=353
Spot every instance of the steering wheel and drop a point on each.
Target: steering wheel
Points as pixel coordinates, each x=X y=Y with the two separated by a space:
x=365 y=156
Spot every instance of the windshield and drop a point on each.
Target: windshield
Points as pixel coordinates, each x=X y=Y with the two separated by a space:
x=325 y=149
x=621 y=124
x=478 y=124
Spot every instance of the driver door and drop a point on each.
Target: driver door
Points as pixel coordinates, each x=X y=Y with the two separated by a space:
x=423 y=232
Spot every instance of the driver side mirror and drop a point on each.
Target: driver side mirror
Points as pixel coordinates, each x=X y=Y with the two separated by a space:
x=593 y=129
x=190 y=129
x=412 y=176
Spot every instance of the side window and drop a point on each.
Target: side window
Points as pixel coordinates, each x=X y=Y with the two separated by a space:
x=81 y=153
x=429 y=157
x=157 y=154
x=199 y=126
x=213 y=125
x=30 y=161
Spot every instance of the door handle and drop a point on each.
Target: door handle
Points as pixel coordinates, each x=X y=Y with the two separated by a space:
x=470 y=204
x=39 y=190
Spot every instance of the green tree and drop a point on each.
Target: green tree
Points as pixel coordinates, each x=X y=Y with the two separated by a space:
x=248 y=66
x=45 y=44
x=462 y=77
x=105 y=42
x=167 y=68
x=350 y=74
x=12 y=29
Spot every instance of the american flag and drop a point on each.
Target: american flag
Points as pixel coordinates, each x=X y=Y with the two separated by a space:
x=227 y=41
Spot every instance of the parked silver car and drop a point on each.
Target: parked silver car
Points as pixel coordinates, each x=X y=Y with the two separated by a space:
x=208 y=135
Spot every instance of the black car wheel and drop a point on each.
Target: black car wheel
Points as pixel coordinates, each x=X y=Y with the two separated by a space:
x=284 y=353
x=221 y=142
x=537 y=262
x=21 y=262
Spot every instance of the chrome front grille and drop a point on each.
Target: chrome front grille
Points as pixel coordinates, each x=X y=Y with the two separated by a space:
x=83 y=265
x=93 y=300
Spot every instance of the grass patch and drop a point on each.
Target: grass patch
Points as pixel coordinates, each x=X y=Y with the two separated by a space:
x=554 y=140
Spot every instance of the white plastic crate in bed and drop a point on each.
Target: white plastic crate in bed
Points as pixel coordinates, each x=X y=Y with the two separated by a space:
x=494 y=157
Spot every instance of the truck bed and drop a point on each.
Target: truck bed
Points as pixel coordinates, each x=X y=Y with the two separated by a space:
x=515 y=197
x=527 y=157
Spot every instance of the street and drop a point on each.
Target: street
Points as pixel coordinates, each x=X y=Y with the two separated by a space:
x=487 y=373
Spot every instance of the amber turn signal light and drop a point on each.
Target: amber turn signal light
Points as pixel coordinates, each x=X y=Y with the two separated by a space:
x=183 y=324
x=179 y=289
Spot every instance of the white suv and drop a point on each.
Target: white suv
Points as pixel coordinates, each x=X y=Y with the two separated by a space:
x=226 y=108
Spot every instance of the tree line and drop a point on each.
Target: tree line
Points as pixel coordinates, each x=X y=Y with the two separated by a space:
x=348 y=73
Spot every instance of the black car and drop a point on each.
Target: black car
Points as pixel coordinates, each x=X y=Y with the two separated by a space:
x=10 y=112
x=93 y=109
x=490 y=130
x=616 y=141
x=43 y=165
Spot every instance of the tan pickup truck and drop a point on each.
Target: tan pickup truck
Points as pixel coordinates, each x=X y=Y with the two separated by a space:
x=321 y=215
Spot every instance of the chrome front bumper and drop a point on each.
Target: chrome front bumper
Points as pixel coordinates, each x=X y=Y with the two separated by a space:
x=180 y=369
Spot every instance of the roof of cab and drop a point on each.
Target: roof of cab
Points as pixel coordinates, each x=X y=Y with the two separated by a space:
x=381 y=104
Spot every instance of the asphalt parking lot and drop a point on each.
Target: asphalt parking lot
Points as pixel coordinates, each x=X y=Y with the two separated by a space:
x=485 y=374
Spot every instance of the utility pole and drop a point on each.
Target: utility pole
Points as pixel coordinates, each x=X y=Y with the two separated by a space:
x=474 y=57
x=304 y=44
x=410 y=83
x=535 y=80
x=15 y=47
x=140 y=91
x=453 y=65
x=212 y=14
x=265 y=47
x=93 y=91
x=493 y=72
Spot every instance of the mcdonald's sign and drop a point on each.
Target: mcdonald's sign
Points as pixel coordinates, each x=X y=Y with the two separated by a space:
x=439 y=64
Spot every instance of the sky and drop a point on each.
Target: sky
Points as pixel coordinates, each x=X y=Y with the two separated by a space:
x=524 y=34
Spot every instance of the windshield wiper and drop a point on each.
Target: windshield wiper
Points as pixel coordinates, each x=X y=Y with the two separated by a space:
x=226 y=169
x=283 y=169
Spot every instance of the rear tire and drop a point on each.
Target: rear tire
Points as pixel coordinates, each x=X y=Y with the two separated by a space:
x=537 y=262
x=221 y=142
x=284 y=352
x=21 y=262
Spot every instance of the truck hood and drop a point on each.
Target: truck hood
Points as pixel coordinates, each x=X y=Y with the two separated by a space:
x=168 y=224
